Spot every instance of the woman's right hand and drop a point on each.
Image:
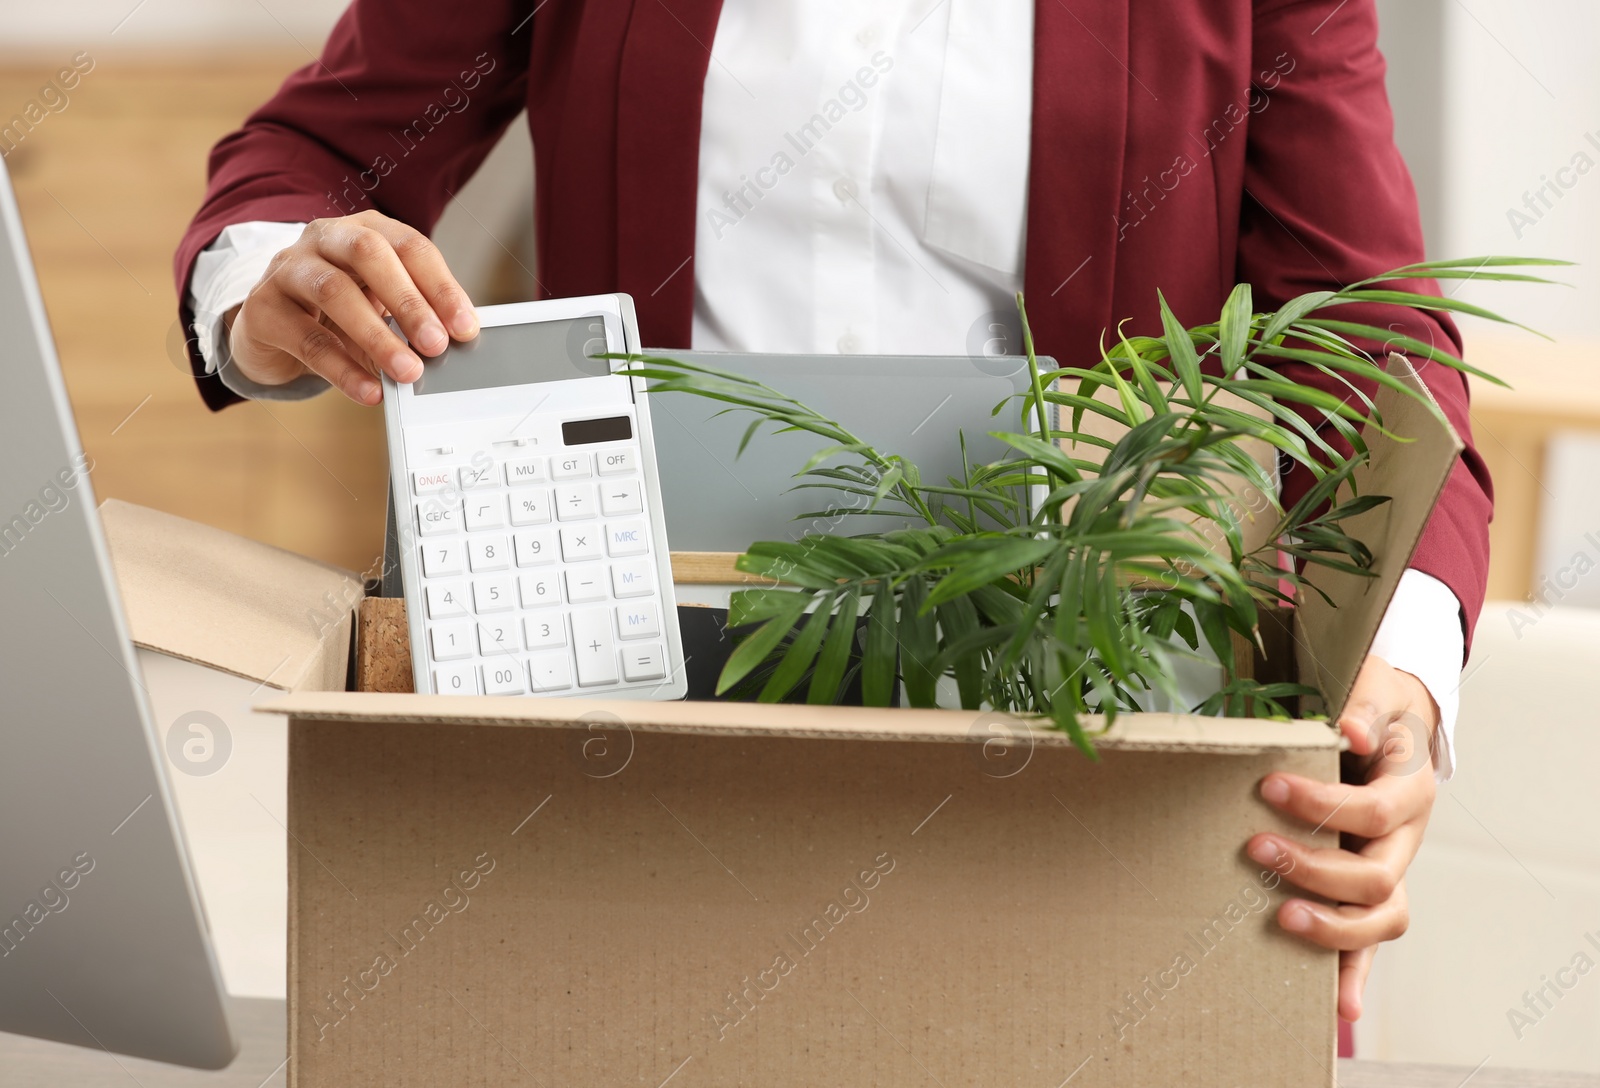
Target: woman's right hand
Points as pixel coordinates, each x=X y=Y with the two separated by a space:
x=321 y=305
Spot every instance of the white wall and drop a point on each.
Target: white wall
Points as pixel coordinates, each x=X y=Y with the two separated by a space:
x=1522 y=91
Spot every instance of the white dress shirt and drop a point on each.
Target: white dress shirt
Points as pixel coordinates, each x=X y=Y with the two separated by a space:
x=863 y=189
x=863 y=176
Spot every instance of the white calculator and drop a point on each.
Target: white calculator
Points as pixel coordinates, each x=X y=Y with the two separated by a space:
x=532 y=544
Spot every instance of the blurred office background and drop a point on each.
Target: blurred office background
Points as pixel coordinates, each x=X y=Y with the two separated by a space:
x=107 y=183
x=1498 y=105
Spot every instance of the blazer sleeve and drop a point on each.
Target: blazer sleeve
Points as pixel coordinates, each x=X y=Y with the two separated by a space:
x=1328 y=200
x=403 y=105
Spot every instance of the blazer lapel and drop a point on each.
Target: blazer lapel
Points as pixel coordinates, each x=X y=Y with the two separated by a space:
x=1080 y=118
x=664 y=61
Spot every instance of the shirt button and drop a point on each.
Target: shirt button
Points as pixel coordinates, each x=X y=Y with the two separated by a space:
x=848 y=344
x=845 y=190
x=868 y=36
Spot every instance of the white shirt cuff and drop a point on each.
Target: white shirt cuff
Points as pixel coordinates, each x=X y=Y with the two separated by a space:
x=1421 y=634
x=224 y=273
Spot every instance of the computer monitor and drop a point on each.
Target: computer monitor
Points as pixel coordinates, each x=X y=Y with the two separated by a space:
x=103 y=942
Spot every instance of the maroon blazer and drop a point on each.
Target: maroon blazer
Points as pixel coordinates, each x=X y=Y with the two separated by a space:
x=1184 y=145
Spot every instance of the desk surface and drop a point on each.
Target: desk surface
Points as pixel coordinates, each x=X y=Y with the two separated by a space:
x=29 y=1063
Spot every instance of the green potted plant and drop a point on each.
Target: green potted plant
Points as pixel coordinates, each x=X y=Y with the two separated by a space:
x=1069 y=578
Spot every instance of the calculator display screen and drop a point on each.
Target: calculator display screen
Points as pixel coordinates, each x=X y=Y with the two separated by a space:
x=540 y=351
x=584 y=431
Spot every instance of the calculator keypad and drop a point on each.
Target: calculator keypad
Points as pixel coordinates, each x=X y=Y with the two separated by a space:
x=537 y=574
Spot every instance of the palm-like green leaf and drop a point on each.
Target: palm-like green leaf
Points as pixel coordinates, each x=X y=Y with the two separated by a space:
x=1070 y=577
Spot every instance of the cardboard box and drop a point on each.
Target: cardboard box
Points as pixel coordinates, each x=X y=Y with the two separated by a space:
x=185 y=590
x=499 y=891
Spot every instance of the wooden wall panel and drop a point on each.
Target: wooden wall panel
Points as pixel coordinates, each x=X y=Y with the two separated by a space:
x=106 y=187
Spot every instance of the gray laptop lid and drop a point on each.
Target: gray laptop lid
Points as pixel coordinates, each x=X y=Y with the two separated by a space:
x=911 y=405
x=102 y=941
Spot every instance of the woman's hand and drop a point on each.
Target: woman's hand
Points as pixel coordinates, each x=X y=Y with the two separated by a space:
x=1390 y=722
x=321 y=305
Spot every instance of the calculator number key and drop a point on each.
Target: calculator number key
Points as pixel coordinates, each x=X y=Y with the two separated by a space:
x=503 y=678
x=451 y=641
x=535 y=547
x=446 y=602
x=498 y=638
x=488 y=553
x=455 y=680
x=545 y=632
x=493 y=595
x=441 y=559
x=540 y=589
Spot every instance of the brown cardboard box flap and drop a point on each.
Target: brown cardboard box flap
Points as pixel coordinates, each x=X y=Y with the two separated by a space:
x=1132 y=732
x=1411 y=467
x=205 y=595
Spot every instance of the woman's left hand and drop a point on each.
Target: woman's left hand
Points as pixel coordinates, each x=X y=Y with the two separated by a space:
x=1390 y=721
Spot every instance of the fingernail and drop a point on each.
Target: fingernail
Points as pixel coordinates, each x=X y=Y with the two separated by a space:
x=432 y=338
x=405 y=368
x=369 y=391
x=464 y=324
x=1296 y=918
x=1266 y=852
x=1275 y=790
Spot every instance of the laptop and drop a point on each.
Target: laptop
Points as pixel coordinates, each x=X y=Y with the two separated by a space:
x=103 y=942
x=718 y=500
